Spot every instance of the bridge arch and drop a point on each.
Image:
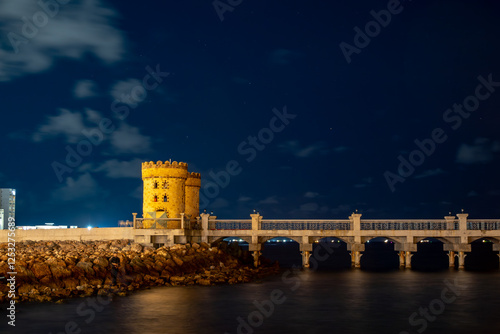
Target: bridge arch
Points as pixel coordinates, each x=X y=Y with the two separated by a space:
x=394 y=240
x=443 y=240
x=267 y=238
x=214 y=241
x=346 y=240
x=286 y=253
x=483 y=254
x=431 y=254
x=330 y=253
x=493 y=240
x=380 y=253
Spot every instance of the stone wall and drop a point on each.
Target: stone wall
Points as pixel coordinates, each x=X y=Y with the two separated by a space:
x=79 y=234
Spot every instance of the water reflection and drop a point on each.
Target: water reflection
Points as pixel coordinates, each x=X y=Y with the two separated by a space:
x=351 y=301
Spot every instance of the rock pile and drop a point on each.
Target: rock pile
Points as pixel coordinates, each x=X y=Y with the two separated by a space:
x=54 y=270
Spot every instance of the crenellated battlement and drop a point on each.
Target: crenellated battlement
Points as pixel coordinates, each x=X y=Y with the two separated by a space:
x=166 y=164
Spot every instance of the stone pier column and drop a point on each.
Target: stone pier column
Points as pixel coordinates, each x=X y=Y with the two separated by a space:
x=356 y=259
x=305 y=259
x=460 y=249
x=451 y=256
x=405 y=252
x=256 y=255
x=401 y=259
x=461 y=260
x=305 y=249
x=355 y=251
x=408 y=256
x=255 y=248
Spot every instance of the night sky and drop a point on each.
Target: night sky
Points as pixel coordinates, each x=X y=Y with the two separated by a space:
x=312 y=108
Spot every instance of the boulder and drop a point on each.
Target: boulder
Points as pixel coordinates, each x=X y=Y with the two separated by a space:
x=136 y=248
x=41 y=270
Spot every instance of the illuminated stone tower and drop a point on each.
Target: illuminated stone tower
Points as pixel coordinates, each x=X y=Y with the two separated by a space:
x=192 y=195
x=165 y=189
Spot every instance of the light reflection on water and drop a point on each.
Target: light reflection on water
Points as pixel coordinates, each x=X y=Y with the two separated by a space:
x=350 y=301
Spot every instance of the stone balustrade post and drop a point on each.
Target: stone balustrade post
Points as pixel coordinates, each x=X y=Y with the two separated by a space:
x=204 y=227
x=462 y=226
x=256 y=221
x=134 y=214
x=355 y=219
x=450 y=222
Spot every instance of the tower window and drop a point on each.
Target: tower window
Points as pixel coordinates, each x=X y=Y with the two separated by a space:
x=165 y=198
x=155 y=185
x=165 y=185
x=155 y=199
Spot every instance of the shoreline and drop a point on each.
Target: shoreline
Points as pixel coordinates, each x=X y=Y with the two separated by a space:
x=52 y=271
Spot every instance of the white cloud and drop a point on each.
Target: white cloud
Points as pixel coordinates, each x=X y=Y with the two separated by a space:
x=85 y=89
x=122 y=90
x=309 y=207
x=84 y=186
x=481 y=152
x=340 y=149
x=300 y=151
x=68 y=124
x=77 y=29
x=93 y=116
x=341 y=209
x=125 y=139
x=472 y=193
x=116 y=169
x=311 y=194
x=219 y=203
x=283 y=56
x=429 y=172
x=269 y=200
x=128 y=139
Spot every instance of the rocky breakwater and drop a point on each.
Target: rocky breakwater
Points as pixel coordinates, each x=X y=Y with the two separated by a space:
x=55 y=270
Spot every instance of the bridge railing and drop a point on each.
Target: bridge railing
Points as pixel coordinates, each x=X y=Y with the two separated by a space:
x=230 y=224
x=279 y=224
x=300 y=224
x=421 y=224
x=192 y=224
x=483 y=224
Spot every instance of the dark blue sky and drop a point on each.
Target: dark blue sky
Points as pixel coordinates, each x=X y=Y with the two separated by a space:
x=351 y=106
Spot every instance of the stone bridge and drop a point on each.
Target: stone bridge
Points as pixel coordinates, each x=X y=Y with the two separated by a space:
x=456 y=233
